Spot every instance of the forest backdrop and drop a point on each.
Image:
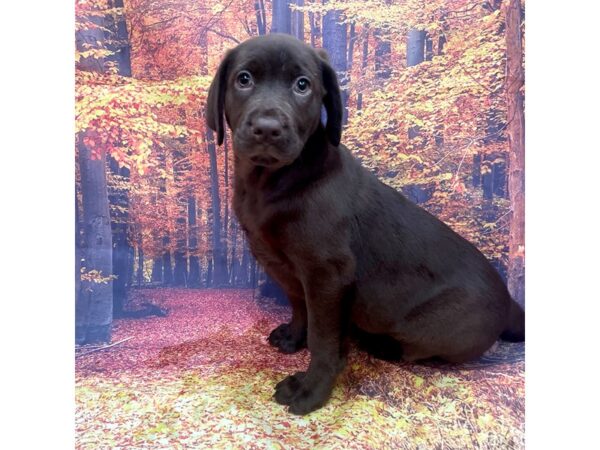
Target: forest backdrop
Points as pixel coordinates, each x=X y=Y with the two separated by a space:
x=433 y=95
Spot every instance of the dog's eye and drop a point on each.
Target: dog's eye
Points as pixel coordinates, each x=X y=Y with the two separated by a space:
x=302 y=85
x=244 y=79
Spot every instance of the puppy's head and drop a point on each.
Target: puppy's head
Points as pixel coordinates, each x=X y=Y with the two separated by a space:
x=270 y=90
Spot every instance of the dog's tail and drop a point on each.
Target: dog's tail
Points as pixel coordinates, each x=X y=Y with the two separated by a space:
x=515 y=330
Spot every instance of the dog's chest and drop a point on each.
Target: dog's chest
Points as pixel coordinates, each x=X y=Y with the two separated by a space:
x=265 y=225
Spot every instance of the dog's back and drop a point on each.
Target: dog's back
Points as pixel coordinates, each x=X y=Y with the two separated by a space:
x=419 y=281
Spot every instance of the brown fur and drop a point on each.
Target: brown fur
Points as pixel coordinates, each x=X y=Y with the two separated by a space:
x=347 y=249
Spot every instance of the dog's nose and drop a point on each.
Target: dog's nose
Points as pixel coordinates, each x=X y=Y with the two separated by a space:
x=266 y=129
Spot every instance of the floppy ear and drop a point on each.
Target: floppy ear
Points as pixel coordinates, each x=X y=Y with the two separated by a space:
x=215 y=103
x=332 y=100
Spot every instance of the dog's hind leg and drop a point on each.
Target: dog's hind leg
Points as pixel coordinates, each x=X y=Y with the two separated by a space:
x=449 y=325
x=380 y=346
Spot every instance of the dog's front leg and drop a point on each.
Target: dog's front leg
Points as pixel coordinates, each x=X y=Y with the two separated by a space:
x=328 y=290
x=291 y=337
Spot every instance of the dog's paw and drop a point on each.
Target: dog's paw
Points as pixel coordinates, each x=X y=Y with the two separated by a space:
x=285 y=340
x=287 y=388
x=300 y=398
x=307 y=401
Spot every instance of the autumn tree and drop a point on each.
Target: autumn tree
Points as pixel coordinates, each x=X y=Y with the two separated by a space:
x=125 y=121
x=119 y=58
x=336 y=43
x=426 y=108
x=515 y=79
x=194 y=261
x=94 y=300
x=218 y=265
x=95 y=303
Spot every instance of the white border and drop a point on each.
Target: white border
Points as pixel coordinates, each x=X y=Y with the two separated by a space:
x=37 y=180
x=562 y=251
x=563 y=179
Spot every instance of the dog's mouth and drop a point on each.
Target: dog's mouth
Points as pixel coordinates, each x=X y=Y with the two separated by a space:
x=264 y=160
x=265 y=155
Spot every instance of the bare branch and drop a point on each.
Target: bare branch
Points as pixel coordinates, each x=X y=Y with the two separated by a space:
x=223 y=35
x=105 y=347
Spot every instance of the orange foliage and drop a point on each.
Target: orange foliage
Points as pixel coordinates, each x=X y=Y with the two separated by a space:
x=152 y=122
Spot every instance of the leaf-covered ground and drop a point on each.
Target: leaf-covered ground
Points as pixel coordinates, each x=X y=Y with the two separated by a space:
x=203 y=377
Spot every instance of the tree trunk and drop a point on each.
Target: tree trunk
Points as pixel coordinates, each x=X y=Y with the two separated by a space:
x=350 y=56
x=95 y=310
x=335 y=42
x=499 y=176
x=226 y=221
x=298 y=22
x=383 y=48
x=351 y=42
x=80 y=300
x=261 y=20
x=314 y=29
x=282 y=18
x=515 y=79
x=219 y=250
x=93 y=38
x=96 y=324
x=181 y=168
x=166 y=262
x=363 y=65
x=439 y=128
x=194 y=276
x=118 y=40
x=442 y=37
x=166 y=266
x=209 y=272
x=253 y=270
x=232 y=265
x=487 y=179
x=497 y=166
x=441 y=44
x=140 y=267
x=180 y=274
x=428 y=47
x=476 y=172
x=157 y=270
x=415 y=51
x=119 y=202
x=245 y=267
x=130 y=267
x=415 y=54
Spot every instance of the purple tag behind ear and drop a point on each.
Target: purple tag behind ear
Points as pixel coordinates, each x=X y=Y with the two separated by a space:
x=323 y=116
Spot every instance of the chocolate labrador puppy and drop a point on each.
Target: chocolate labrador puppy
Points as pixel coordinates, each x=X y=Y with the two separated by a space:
x=346 y=248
